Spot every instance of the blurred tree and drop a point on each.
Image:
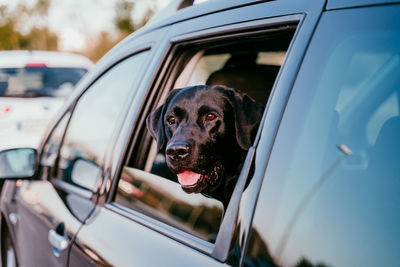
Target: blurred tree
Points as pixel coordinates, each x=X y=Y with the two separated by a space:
x=124 y=23
x=100 y=45
x=26 y=19
x=123 y=19
x=42 y=7
x=41 y=39
x=9 y=37
x=123 y=16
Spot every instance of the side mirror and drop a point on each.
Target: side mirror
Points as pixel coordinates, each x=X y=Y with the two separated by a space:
x=86 y=174
x=17 y=163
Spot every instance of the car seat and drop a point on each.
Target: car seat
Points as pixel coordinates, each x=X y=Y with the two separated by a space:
x=242 y=73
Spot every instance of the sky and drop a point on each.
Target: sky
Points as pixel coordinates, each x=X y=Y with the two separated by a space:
x=76 y=21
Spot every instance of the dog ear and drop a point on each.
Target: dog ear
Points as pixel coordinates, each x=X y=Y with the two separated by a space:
x=155 y=123
x=247 y=116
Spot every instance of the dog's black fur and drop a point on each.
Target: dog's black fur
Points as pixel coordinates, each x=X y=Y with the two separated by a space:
x=206 y=130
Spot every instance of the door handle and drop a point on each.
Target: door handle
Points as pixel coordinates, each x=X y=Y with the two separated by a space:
x=58 y=242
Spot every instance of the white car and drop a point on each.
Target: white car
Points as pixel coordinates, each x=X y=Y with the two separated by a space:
x=33 y=86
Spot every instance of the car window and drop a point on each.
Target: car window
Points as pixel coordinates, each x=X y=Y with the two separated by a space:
x=147 y=185
x=95 y=118
x=332 y=189
x=36 y=81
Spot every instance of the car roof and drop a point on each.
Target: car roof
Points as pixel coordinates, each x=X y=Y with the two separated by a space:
x=22 y=58
x=180 y=10
x=336 y=4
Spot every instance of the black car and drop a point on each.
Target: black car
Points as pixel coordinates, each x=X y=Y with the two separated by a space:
x=320 y=186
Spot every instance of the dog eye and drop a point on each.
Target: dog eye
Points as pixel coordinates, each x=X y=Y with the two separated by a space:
x=211 y=116
x=171 y=120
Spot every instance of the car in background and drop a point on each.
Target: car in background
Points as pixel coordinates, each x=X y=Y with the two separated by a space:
x=320 y=185
x=33 y=86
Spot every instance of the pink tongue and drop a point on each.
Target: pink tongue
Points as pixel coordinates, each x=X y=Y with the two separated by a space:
x=187 y=178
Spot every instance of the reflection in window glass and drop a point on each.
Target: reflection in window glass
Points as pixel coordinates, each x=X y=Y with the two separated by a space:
x=50 y=149
x=97 y=115
x=165 y=201
x=388 y=109
x=321 y=205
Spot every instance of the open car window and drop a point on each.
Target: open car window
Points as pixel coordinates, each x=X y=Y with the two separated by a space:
x=147 y=186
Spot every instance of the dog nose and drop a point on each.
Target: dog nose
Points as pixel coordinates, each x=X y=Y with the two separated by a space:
x=178 y=150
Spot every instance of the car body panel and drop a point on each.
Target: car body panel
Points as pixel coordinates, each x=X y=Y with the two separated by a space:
x=326 y=205
x=20 y=59
x=272 y=118
x=336 y=4
x=137 y=244
x=210 y=7
x=87 y=253
x=269 y=9
x=41 y=209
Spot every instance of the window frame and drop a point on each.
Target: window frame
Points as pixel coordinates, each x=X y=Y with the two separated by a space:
x=175 y=56
x=164 y=78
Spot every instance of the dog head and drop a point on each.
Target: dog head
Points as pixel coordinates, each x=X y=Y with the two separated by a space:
x=205 y=132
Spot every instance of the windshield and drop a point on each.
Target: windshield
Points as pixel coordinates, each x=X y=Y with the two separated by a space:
x=38 y=81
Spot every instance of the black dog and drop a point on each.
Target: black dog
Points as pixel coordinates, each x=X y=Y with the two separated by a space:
x=205 y=132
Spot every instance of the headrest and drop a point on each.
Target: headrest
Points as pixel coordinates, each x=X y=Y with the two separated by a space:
x=255 y=80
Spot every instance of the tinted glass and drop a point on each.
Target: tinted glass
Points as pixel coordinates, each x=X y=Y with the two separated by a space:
x=331 y=195
x=96 y=117
x=38 y=81
x=53 y=143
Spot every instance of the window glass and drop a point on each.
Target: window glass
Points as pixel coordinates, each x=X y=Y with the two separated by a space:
x=50 y=149
x=147 y=185
x=38 y=81
x=166 y=201
x=331 y=195
x=94 y=120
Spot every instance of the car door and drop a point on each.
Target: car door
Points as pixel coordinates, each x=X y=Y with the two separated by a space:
x=330 y=194
x=143 y=217
x=52 y=210
x=131 y=75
